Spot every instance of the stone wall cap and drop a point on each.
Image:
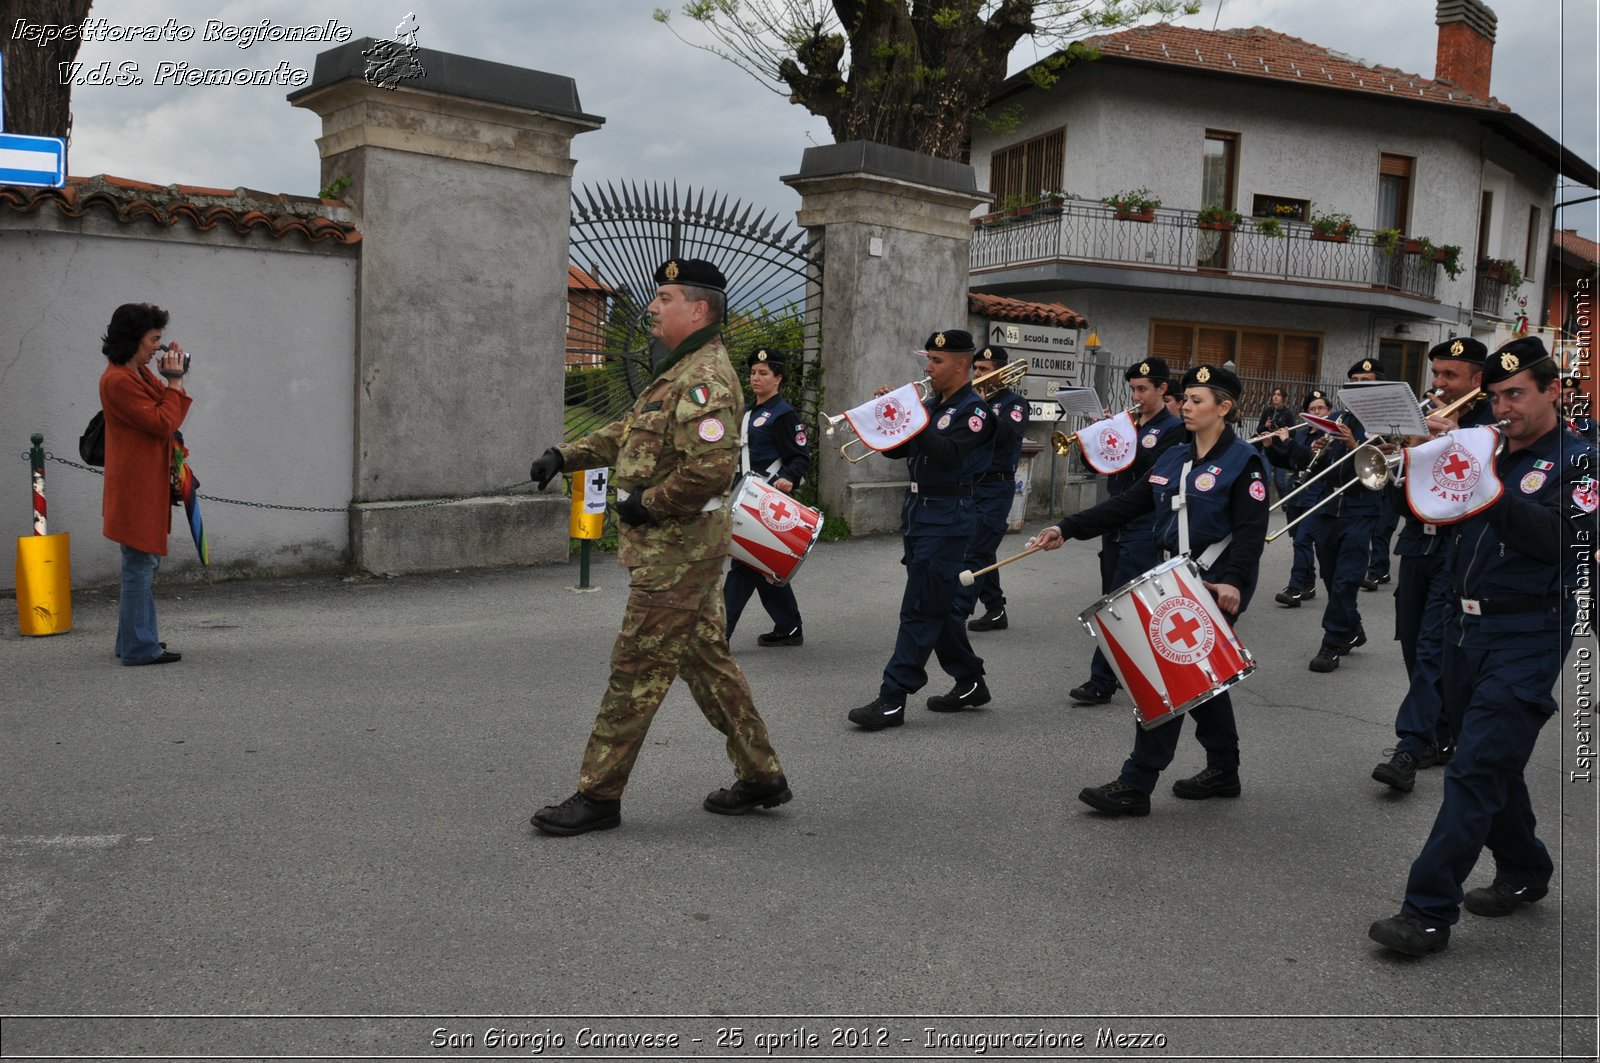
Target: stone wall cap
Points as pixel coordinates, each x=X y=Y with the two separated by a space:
x=881 y=160
x=458 y=75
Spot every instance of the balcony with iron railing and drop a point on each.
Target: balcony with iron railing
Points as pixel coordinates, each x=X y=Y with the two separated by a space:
x=1087 y=233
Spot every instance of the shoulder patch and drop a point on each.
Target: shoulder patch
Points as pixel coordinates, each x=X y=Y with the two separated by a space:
x=711 y=430
x=1585 y=496
x=975 y=422
x=700 y=393
x=1258 y=490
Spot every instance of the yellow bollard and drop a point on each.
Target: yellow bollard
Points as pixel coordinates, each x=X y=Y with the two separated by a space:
x=44 y=584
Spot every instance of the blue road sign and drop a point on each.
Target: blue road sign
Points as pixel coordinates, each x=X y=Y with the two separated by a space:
x=37 y=161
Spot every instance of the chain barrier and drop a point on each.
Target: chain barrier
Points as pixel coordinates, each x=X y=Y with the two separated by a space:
x=307 y=509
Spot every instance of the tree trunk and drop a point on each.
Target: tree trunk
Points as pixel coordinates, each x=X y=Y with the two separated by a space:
x=36 y=101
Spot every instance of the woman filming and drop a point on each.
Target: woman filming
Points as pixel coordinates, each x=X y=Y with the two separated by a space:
x=1222 y=481
x=142 y=413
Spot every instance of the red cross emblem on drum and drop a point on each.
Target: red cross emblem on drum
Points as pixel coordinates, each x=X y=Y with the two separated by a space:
x=1111 y=447
x=778 y=513
x=1456 y=472
x=1181 y=631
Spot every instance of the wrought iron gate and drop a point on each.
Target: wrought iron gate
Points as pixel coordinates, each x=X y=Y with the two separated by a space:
x=619 y=237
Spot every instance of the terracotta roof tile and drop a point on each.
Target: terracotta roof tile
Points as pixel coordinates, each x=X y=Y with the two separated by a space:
x=1263 y=53
x=577 y=278
x=1576 y=246
x=240 y=209
x=998 y=306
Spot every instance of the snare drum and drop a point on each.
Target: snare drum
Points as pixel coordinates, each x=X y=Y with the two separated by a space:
x=772 y=533
x=1168 y=641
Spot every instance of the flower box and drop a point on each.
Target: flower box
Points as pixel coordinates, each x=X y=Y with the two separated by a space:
x=1148 y=214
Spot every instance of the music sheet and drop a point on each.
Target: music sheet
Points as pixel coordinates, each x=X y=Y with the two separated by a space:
x=1385 y=407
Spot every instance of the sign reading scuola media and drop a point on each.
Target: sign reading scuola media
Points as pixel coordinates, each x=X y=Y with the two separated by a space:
x=1053 y=360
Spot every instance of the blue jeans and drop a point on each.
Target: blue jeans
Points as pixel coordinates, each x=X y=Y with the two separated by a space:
x=136 y=617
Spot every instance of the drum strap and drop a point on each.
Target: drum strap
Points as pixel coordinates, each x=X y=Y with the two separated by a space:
x=744 y=444
x=1180 y=503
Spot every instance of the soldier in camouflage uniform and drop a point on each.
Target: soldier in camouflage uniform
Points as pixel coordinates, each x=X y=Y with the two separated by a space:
x=674 y=457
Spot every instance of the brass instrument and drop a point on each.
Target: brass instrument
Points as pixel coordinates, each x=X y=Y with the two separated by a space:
x=1063 y=443
x=924 y=393
x=1008 y=375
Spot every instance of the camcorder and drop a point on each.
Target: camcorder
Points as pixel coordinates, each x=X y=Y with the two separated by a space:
x=166 y=348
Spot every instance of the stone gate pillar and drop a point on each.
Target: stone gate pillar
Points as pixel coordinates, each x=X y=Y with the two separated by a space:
x=460 y=179
x=895 y=231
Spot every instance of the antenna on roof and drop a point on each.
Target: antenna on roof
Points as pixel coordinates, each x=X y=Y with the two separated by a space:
x=1218 y=14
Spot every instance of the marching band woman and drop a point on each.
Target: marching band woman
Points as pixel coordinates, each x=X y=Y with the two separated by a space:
x=1209 y=494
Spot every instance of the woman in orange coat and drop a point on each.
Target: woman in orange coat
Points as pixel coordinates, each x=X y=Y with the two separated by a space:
x=142 y=413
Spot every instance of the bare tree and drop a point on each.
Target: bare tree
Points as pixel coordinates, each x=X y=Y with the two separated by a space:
x=910 y=73
x=38 y=103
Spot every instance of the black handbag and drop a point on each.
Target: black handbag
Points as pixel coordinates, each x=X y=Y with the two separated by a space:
x=92 y=444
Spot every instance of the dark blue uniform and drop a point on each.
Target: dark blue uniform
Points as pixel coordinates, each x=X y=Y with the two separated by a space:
x=937 y=521
x=1295 y=454
x=994 y=492
x=1225 y=493
x=775 y=448
x=1344 y=542
x=1272 y=419
x=1512 y=569
x=1422 y=605
x=1131 y=550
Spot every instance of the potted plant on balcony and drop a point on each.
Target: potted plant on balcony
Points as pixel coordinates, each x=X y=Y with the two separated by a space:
x=1052 y=202
x=1137 y=205
x=1502 y=270
x=1386 y=241
x=1449 y=256
x=1269 y=227
x=1417 y=245
x=1017 y=208
x=1218 y=218
x=1337 y=228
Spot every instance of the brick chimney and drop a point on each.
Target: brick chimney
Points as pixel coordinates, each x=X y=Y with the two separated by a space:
x=1466 y=45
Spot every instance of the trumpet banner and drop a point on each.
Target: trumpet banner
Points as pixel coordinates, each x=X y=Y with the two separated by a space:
x=889 y=420
x=1109 y=444
x=1451 y=478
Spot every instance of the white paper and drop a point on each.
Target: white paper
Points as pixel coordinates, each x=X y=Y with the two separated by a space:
x=1384 y=407
x=1081 y=402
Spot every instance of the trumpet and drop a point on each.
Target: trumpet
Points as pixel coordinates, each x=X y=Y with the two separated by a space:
x=835 y=421
x=1063 y=443
x=1007 y=376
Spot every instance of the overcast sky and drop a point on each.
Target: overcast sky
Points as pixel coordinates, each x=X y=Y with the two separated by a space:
x=675 y=113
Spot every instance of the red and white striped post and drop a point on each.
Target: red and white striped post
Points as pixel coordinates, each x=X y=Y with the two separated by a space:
x=36 y=456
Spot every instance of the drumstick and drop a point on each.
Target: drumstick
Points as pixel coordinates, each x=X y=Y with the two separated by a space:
x=968 y=576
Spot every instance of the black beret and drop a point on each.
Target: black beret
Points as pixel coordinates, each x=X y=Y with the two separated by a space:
x=768 y=357
x=1212 y=376
x=1149 y=369
x=696 y=272
x=958 y=341
x=992 y=353
x=1366 y=365
x=1512 y=358
x=1462 y=349
x=1313 y=397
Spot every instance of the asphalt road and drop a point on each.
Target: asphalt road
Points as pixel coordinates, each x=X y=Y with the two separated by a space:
x=319 y=820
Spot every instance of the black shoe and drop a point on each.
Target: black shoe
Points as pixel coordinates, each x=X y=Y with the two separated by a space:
x=1434 y=757
x=1369 y=584
x=1399 y=772
x=964 y=695
x=1327 y=658
x=1384 y=578
x=1307 y=593
x=878 y=715
x=1501 y=898
x=166 y=657
x=1444 y=754
x=778 y=638
x=1212 y=782
x=1410 y=935
x=1089 y=694
x=1358 y=639
x=742 y=796
x=1289 y=596
x=1116 y=797
x=578 y=814
x=992 y=620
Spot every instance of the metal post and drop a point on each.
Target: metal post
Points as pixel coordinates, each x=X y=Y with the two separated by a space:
x=36 y=458
x=583 y=564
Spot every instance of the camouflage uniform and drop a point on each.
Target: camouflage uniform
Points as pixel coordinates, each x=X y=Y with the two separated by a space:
x=680 y=446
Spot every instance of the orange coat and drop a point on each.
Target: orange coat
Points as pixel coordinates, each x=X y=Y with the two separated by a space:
x=141 y=416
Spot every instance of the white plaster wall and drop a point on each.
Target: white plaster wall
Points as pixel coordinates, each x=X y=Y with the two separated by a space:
x=272 y=333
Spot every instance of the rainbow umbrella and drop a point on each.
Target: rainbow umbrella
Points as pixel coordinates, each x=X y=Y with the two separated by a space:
x=188 y=487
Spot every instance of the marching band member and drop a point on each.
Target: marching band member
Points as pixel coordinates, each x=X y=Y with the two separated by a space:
x=1344 y=538
x=1512 y=568
x=1127 y=551
x=1422 y=603
x=1289 y=451
x=775 y=448
x=936 y=521
x=995 y=490
x=1214 y=483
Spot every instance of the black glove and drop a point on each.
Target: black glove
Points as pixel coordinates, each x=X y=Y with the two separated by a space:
x=545 y=469
x=631 y=510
